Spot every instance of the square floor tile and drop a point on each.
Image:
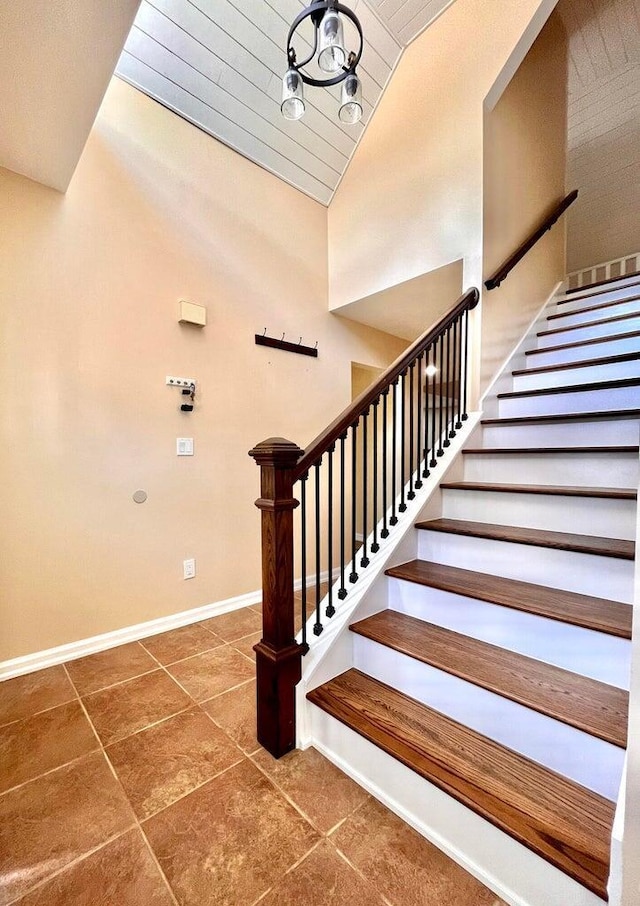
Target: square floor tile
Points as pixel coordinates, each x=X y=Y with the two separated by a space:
x=26 y=695
x=234 y=625
x=227 y=842
x=181 y=643
x=161 y=764
x=235 y=712
x=97 y=671
x=323 y=878
x=245 y=645
x=323 y=792
x=122 y=873
x=208 y=674
x=404 y=867
x=50 y=822
x=45 y=741
x=124 y=709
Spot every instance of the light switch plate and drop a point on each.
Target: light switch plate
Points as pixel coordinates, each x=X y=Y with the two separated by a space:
x=184 y=446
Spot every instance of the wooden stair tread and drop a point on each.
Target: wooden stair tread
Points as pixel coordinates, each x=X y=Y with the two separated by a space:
x=599 y=614
x=584 y=363
x=609 y=280
x=546 y=450
x=559 y=820
x=594 y=707
x=599 y=307
x=550 y=490
x=598 y=323
x=618 y=336
x=566 y=417
x=583 y=544
x=572 y=388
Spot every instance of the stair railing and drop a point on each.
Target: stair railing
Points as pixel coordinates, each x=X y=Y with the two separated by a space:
x=353 y=483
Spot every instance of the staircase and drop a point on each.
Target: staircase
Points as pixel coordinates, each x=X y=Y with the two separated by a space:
x=498 y=673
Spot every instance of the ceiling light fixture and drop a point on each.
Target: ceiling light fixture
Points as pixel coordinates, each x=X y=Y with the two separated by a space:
x=332 y=58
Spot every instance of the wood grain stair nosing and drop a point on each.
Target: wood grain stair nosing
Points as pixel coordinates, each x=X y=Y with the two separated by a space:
x=620 y=383
x=549 y=490
x=608 y=339
x=607 y=282
x=487 y=451
x=598 y=307
x=599 y=323
x=598 y=614
x=608 y=415
x=582 y=363
x=557 y=819
x=579 y=544
x=586 y=704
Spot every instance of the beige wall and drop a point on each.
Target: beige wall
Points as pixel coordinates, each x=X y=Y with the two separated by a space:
x=411 y=199
x=90 y=283
x=524 y=169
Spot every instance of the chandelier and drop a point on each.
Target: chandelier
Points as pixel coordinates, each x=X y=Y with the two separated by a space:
x=332 y=58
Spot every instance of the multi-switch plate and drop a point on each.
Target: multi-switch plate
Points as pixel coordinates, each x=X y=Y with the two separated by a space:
x=184 y=446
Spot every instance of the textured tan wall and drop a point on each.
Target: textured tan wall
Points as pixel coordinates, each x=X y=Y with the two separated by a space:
x=90 y=283
x=525 y=138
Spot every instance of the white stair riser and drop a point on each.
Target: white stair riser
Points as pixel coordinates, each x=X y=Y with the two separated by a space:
x=591 y=470
x=577 y=400
x=567 y=301
x=580 y=316
x=612 y=432
x=598 y=655
x=606 y=518
x=612 y=371
x=587 y=574
x=591 y=762
x=608 y=347
x=592 y=332
x=515 y=873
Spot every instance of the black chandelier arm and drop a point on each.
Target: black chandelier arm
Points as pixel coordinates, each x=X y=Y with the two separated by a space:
x=315 y=10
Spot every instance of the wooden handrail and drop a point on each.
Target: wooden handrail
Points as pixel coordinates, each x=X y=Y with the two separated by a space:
x=338 y=426
x=505 y=269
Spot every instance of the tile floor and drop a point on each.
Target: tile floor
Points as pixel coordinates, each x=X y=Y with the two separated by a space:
x=133 y=778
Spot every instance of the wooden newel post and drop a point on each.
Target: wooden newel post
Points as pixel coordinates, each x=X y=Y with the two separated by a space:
x=278 y=655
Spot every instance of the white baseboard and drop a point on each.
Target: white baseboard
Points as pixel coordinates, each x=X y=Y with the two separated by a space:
x=72 y=650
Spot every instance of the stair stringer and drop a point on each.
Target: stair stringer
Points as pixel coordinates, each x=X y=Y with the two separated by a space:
x=332 y=653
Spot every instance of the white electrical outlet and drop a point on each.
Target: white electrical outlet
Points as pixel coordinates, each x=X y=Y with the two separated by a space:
x=184 y=446
x=188 y=569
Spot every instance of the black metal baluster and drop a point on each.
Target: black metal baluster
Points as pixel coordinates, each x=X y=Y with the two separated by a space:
x=447 y=370
x=402 y=506
x=364 y=562
x=466 y=363
x=454 y=375
x=394 y=453
x=440 y=451
x=460 y=367
x=342 y=591
x=353 y=576
x=434 y=461
x=317 y=626
x=425 y=470
x=330 y=610
x=303 y=554
x=412 y=369
x=375 y=547
x=419 y=426
x=384 y=533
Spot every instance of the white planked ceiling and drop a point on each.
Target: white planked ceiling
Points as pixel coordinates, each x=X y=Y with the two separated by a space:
x=219 y=64
x=604 y=128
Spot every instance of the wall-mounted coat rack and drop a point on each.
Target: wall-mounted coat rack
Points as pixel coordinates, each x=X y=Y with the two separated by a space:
x=263 y=340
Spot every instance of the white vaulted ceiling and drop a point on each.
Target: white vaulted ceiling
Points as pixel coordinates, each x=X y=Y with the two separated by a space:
x=219 y=64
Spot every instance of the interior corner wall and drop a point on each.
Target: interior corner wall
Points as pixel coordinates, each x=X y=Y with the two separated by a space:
x=525 y=141
x=90 y=283
x=411 y=198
